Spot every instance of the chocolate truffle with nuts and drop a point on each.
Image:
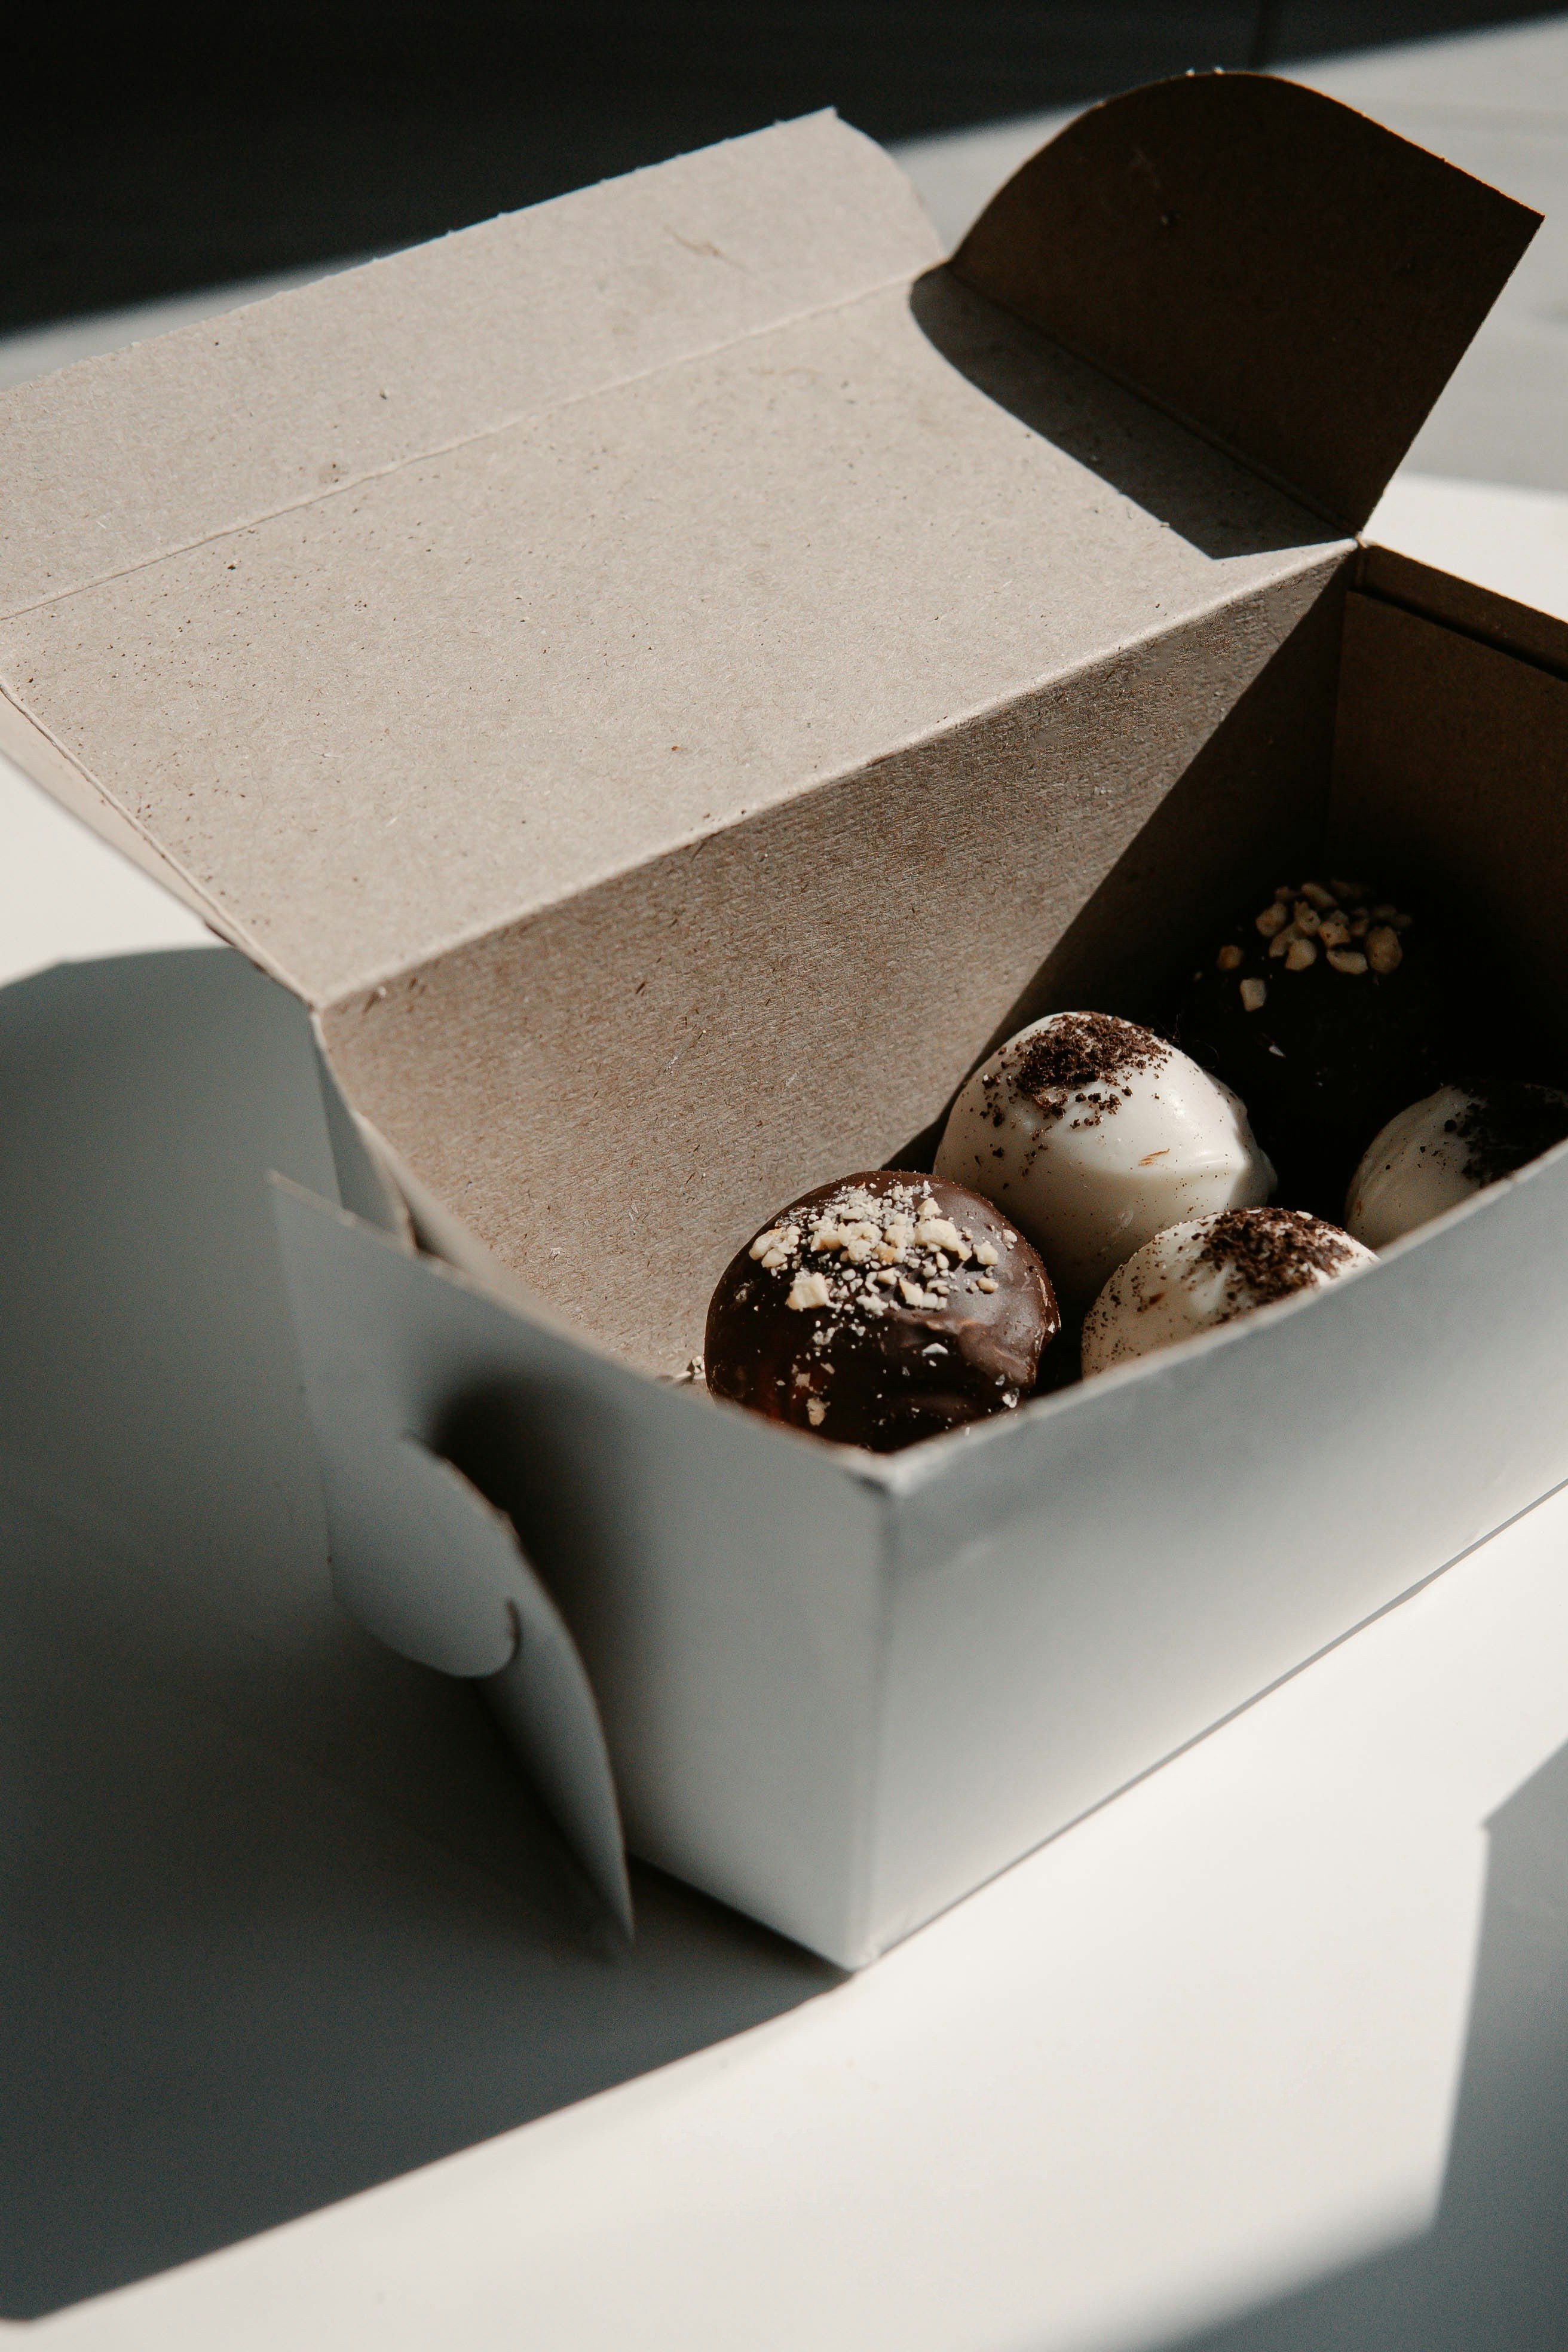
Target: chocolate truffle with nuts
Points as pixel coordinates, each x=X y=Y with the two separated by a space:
x=880 y=1310
x=1323 y=1006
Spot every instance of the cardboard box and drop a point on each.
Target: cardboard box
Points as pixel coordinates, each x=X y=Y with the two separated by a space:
x=670 y=679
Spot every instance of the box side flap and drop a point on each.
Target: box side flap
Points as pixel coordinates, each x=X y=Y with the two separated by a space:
x=1463 y=604
x=1289 y=277
x=1449 y=762
x=126 y=458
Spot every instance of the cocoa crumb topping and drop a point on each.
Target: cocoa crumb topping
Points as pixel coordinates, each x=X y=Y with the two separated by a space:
x=1079 y=1060
x=1506 y=1127
x=1275 y=1252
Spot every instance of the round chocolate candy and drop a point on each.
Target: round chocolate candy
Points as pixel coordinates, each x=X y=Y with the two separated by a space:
x=1207 y=1271
x=1447 y=1147
x=1095 y=1134
x=1324 y=1009
x=880 y=1310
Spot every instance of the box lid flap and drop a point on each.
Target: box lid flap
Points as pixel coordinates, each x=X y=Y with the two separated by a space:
x=128 y=457
x=1207 y=241
x=689 y=493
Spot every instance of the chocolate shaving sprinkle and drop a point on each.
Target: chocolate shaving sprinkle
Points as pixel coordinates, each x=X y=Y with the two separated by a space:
x=1082 y=1051
x=1275 y=1252
x=1506 y=1127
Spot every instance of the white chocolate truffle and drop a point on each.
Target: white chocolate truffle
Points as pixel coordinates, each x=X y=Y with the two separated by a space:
x=1447 y=1146
x=1206 y=1272
x=1093 y=1135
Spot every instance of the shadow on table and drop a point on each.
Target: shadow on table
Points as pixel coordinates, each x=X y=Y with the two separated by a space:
x=1491 y=2274
x=172 y=148
x=283 y=1920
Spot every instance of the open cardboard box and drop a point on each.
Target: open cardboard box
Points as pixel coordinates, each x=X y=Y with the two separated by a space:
x=670 y=679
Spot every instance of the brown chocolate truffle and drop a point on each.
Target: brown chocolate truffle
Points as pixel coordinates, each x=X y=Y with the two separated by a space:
x=880 y=1310
x=1324 y=1009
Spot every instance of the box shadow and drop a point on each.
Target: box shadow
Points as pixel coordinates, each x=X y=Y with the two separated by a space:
x=1253 y=806
x=285 y=1920
x=1209 y=499
x=1491 y=2274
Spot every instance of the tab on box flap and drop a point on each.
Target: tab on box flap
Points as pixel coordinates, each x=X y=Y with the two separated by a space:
x=1271 y=267
x=418 y=1555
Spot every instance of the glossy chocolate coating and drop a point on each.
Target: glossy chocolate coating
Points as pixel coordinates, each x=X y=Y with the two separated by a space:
x=1331 y=1053
x=906 y=1325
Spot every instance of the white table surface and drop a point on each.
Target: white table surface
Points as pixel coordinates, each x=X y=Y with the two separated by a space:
x=1271 y=2050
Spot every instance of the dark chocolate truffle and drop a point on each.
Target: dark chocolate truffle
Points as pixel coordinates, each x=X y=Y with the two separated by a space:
x=1324 y=1010
x=880 y=1310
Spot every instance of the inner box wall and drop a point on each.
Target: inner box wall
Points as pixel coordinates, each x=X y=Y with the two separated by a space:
x=612 y=1095
x=1449 y=780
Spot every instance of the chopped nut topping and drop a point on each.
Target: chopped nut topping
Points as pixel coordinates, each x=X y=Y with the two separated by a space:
x=1358 y=923
x=1229 y=957
x=1334 y=931
x=782 y=1237
x=937 y=1232
x=1307 y=918
x=856 y=1251
x=1273 y=918
x=888 y=1252
x=913 y=1296
x=1283 y=944
x=888 y=1280
x=1300 y=954
x=808 y=1290
x=815 y=1411
x=1383 y=952
x=985 y=1255
x=1286 y=893
x=1349 y=959
x=983 y=1282
x=899 y=1233
x=1253 y=995
x=1315 y=894
x=826 y=1237
x=773 y=1259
